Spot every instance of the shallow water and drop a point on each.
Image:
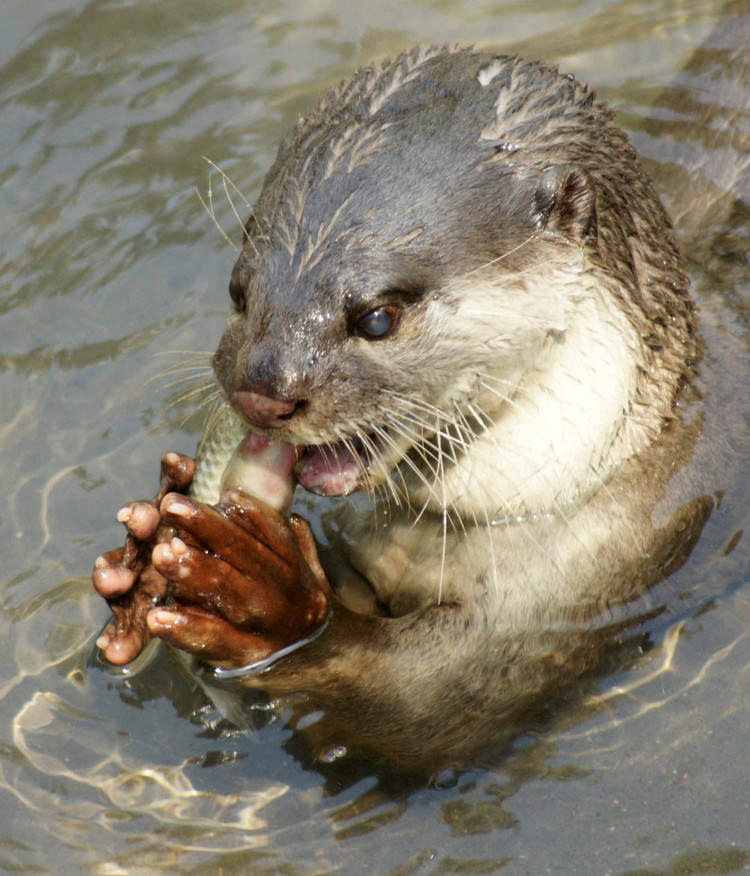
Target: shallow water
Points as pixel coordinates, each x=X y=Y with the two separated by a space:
x=106 y=111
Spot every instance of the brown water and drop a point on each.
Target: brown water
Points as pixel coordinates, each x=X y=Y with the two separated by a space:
x=106 y=111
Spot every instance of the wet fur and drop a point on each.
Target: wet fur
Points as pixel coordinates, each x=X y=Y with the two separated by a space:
x=520 y=424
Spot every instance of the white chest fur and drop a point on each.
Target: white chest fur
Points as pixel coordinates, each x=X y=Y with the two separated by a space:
x=556 y=415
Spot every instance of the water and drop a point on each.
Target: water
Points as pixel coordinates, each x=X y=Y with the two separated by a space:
x=106 y=112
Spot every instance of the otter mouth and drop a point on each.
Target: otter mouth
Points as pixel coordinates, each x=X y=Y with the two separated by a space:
x=363 y=462
x=334 y=469
x=357 y=463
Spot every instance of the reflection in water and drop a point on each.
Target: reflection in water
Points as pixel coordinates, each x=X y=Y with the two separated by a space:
x=52 y=733
x=68 y=765
x=107 y=111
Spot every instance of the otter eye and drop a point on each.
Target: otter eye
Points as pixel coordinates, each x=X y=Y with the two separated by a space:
x=378 y=323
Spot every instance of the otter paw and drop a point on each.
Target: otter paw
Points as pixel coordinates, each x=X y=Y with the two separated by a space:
x=243 y=582
x=126 y=578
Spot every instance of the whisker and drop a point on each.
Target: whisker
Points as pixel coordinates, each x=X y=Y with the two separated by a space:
x=503 y=256
x=227 y=181
x=209 y=208
x=190 y=392
x=210 y=399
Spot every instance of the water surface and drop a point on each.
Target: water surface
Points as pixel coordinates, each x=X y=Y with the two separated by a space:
x=111 y=272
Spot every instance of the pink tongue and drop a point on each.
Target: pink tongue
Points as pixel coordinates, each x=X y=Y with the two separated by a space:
x=332 y=471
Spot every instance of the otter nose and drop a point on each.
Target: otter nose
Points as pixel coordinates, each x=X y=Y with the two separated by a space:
x=263 y=410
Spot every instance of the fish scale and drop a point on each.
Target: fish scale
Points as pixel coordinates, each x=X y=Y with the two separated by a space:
x=230 y=457
x=224 y=431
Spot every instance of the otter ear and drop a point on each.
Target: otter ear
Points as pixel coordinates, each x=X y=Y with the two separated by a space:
x=566 y=202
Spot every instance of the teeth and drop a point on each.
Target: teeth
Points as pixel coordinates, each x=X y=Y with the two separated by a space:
x=355 y=444
x=338 y=469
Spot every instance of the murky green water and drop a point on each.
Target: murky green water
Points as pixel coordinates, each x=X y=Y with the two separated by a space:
x=106 y=111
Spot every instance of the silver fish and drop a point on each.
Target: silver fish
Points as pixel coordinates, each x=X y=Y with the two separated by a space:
x=230 y=457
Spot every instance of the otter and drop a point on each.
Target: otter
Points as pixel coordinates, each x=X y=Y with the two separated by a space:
x=459 y=294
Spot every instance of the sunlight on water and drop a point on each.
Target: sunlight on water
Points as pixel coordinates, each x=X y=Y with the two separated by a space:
x=107 y=110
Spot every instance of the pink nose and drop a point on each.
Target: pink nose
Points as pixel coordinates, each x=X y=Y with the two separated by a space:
x=263 y=410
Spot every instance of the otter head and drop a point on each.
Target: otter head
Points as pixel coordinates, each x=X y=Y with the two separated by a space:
x=416 y=262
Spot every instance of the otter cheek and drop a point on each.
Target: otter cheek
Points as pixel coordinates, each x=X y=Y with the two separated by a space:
x=330 y=471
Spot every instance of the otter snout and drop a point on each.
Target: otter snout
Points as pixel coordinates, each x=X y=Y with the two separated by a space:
x=263 y=410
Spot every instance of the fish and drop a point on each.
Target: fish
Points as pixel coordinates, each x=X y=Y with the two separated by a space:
x=230 y=457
